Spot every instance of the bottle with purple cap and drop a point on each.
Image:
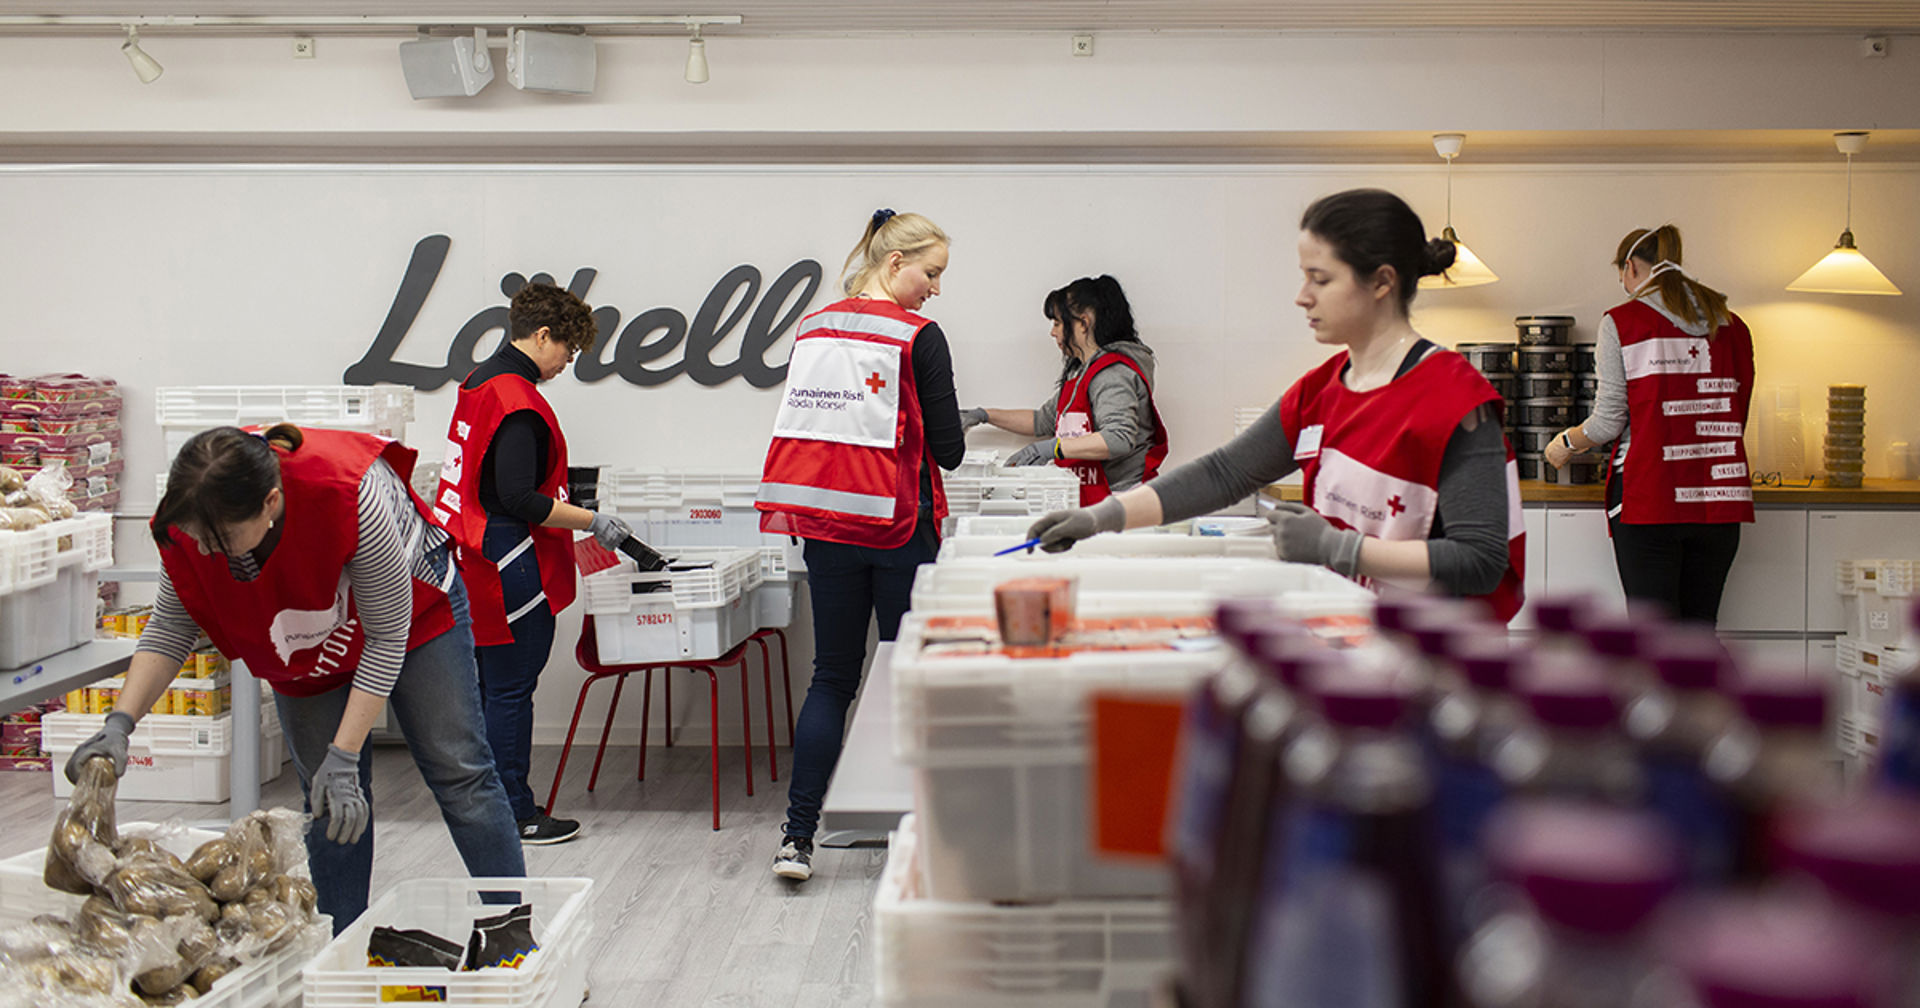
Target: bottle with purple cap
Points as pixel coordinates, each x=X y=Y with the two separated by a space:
x=1900 y=728
x=1673 y=723
x=1866 y=853
x=1570 y=744
x=1463 y=727
x=1349 y=912
x=1582 y=883
x=1775 y=949
x=1776 y=754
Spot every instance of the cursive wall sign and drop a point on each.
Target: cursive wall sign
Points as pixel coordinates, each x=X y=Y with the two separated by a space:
x=643 y=353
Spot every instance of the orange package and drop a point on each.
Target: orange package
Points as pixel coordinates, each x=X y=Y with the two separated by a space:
x=1034 y=611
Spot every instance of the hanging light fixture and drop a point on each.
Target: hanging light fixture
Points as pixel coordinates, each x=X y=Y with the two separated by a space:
x=1845 y=270
x=697 y=58
x=145 y=67
x=1467 y=269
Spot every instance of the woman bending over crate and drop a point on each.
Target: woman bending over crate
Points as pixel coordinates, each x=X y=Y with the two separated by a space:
x=307 y=555
x=867 y=414
x=1408 y=476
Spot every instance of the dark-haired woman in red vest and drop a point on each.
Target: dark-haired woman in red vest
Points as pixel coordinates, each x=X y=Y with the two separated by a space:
x=1676 y=376
x=306 y=555
x=1104 y=427
x=503 y=495
x=1409 y=478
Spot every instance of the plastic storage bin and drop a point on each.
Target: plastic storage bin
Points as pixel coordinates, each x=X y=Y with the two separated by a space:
x=694 y=508
x=170 y=757
x=1866 y=674
x=553 y=976
x=1072 y=954
x=703 y=614
x=183 y=411
x=1874 y=597
x=49 y=586
x=1012 y=490
x=1242 y=547
x=1130 y=585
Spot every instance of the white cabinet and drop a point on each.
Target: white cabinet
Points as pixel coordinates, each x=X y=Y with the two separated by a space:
x=1767 y=588
x=1580 y=557
x=1833 y=536
x=1535 y=581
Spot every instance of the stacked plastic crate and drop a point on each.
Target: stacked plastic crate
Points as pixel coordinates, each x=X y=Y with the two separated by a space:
x=69 y=419
x=981 y=486
x=49 y=586
x=1875 y=596
x=995 y=892
x=183 y=411
x=709 y=509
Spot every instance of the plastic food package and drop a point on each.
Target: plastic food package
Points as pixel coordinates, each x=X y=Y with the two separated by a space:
x=397 y=947
x=1034 y=611
x=501 y=941
x=80 y=855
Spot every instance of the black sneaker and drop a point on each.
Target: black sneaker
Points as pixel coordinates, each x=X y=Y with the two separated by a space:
x=540 y=829
x=795 y=860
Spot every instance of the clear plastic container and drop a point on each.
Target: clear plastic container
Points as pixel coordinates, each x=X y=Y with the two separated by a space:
x=1349 y=912
x=1777 y=754
x=1471 y=714
x=1674 y=723
x=1570 y=744
x=1585 y=881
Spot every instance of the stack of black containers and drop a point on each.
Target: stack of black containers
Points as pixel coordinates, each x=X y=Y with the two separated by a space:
x=1548 y=384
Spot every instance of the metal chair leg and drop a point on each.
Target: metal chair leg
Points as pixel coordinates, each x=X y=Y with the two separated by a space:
x=713 y=740
x=746 y=721
x=567 y=748
x=766 y=689
x=599 y=754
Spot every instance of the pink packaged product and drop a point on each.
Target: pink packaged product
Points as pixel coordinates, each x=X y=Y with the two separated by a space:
x=76 y=450
x=85 y=416
x=63 y=388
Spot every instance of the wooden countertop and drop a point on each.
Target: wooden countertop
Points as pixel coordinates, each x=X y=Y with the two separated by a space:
x=1872 y=493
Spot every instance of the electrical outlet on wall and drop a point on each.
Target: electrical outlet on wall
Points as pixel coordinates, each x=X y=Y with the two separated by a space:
x=1083 y=45
x=303 y=47
x=1873 y=47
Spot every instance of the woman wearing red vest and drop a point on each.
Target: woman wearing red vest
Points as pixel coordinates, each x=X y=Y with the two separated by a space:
x=307 y=556
x=1408 y=474
x=867 y=415
x=1676 y=375
x=1105 y=428
x=503 y=495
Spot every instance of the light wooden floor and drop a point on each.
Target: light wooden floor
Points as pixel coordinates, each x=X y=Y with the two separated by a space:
x=683 y=916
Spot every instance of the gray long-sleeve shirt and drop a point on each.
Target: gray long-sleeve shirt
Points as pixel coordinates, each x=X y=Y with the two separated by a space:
x=1122 y=406
x=1467 y=546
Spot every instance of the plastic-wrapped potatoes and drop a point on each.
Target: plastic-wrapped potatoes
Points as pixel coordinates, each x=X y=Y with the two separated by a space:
x=211 y=858
x=207 y=976
x=22 y=519
x=151 y=887
x=11 y=481
x=297 y=893
x=81 y=852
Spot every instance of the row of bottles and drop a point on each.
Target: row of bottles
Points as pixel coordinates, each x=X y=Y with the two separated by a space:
x=1614 y=815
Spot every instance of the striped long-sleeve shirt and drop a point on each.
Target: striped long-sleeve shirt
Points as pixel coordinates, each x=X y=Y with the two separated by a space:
x=395 y=546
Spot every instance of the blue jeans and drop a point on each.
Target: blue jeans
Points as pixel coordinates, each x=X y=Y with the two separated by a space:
x=436 y=703
x=509 y=672
x=850 y=586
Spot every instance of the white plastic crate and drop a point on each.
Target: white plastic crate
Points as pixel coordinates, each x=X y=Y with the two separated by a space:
x=1859 y=739
x=704 y=615
x=170 y=757
x=352 y=407
x=1866 y=674
x=1876 y=597
x=1128 y=585
x=1071 y=954
x=1245 y=417
x=1012 y=490
x=694 y=508
x=24 y=896
x=1241 y=547
x=28 y=559
x=56 y=614
x=552 y=976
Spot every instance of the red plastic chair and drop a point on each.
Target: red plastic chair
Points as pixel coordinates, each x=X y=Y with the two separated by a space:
x=761 y=636
x=587 y=652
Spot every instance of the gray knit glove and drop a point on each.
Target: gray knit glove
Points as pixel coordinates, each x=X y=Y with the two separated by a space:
x=335 y=795
x=971 y=418
x=608 y=530
x=1037 y=453
x=110 y=741
x=1301 y=535
x=1059 y=530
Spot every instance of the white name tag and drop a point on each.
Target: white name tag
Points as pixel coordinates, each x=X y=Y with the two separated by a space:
x=1307 y=445
x=1714 y=449
x=1717 y=428
x=1697 y=495
x=1730 y=470
x=1688 y=407
x=1709 y=386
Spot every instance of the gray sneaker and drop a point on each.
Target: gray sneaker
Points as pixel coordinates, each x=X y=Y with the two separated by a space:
x=795 y=860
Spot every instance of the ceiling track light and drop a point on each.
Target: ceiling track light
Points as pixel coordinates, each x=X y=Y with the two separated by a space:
x=145 y=67
x=1467 y=269
x=697 y=58
x=1845 y=270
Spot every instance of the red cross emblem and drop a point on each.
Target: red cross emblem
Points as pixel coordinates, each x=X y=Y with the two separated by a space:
x=1394 y=504
x=1693 y=351
x=875 y=382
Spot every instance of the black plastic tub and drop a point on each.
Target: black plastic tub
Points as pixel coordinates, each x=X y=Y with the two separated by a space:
x=1536 y=359
x=1556 y=412
x=1545 y=330
x=1488 y=358
x=1545 y=385
x=1578 y=470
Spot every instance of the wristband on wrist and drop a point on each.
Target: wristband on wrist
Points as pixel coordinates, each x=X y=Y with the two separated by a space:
x=1568 y=441
x=1056 y=451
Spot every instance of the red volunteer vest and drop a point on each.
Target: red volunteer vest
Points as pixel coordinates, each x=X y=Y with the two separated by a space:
x=1372 y=459
x=477 y=415
x=296 y=625
x=1687 y=397
x=849 y=441
x=1073 y=417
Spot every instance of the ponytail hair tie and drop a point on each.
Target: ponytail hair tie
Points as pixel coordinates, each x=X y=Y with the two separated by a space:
x=881 y=217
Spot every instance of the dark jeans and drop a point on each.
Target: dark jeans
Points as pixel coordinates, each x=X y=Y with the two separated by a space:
x=437 y=706
x=509 y=672
x=1682 y=567
x=850 y=587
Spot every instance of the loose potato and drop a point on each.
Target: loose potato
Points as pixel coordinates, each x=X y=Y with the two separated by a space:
x=229 y=884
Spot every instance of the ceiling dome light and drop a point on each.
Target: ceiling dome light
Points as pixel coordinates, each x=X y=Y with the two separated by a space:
x=1845 y=270
x=145 y=67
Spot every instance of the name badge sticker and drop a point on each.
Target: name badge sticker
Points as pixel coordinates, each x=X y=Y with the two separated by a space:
x=1307 y=445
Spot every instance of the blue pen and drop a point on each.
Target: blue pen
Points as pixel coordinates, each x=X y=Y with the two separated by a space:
x=24 y=676
x=1028 y=546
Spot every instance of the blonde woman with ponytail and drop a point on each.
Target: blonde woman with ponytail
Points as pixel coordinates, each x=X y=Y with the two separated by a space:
x=867 y=419
x=1676 y=377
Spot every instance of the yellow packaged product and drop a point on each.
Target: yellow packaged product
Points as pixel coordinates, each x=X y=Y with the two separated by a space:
x=78 y=702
